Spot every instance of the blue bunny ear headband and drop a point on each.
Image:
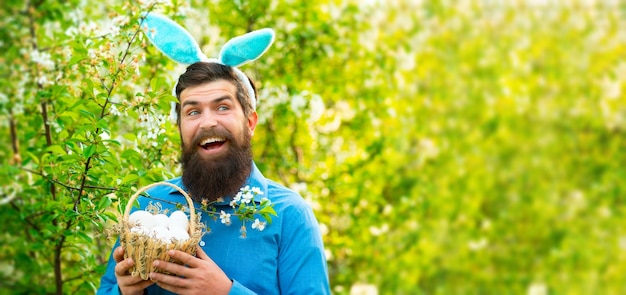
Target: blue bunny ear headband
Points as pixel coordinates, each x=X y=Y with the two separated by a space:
x=177 y=44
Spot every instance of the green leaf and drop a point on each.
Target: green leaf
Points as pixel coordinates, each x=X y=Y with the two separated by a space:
x=108 y=216
x=76 y=59
x=56 y=149
x=102 y=124
x=268 y=210
x=33 y=157
x=84 y=237
x=105 y=202
x=88 y=114
x=130 y=178
x=267 y=218
x=89 y=151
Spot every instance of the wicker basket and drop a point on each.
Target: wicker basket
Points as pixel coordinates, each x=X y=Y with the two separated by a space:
x=144 y=248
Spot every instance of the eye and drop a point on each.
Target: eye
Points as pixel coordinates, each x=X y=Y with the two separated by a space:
x=223 y=108
x=192 y=113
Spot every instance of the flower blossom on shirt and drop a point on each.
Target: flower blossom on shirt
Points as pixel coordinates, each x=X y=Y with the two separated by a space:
x=260 y=225
x=245 y=208
x=225 y=217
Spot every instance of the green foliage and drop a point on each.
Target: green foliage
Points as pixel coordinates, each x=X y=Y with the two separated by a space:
x=447 y=147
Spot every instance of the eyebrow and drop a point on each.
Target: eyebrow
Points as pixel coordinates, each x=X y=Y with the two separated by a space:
x=214 y=101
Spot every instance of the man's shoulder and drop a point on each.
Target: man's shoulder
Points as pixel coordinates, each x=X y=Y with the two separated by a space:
x=280 y=194
x=279 y=189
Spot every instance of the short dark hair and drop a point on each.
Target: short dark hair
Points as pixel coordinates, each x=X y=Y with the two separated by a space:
x=205 y=72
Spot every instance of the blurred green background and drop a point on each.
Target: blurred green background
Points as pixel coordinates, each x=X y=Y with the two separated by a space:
x=447 y=147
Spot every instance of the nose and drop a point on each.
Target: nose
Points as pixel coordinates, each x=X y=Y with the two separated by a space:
x=209 y=120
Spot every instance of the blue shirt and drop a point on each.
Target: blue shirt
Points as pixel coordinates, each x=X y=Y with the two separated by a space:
x=287 y=257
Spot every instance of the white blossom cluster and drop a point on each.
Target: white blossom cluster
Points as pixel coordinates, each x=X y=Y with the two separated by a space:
x=154 y=124
x=42 y=58
x=304 y=103
x=272 y=96
x=244 y=197
x=307 y=103
x=9 y=192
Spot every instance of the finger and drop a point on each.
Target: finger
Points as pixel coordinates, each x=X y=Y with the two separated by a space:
x=143 y=284
x=171 y=267
x=133 y=285
x=118 y=254
x=169 y=282
x=121 y=268
x=184 y=257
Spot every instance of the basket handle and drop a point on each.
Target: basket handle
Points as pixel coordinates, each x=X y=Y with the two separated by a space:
x=192 y=210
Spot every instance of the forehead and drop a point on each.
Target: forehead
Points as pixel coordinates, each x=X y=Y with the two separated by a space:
x=208 y=91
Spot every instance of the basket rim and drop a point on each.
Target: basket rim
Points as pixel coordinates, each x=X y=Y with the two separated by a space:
x=192 y=210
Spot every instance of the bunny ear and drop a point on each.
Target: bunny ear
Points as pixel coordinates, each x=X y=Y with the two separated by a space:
x=245 y=48
x=171 y=39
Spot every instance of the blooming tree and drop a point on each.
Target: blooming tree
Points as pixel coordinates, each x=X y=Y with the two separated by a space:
x=460 y=146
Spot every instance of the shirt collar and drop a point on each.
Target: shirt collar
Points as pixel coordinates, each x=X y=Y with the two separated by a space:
x=255 y=179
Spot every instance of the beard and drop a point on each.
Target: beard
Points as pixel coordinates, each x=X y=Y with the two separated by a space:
x=210 y=179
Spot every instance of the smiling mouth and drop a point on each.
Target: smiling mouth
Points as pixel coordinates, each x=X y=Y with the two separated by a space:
x=212 y=143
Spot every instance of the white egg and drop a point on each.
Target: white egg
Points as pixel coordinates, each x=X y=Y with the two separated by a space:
x=161 y=220
x=142 y=218
x=178 y=219
x=179 y=234
x=161 y=233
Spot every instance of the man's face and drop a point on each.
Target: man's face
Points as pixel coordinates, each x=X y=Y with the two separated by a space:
x=209 y=112
x=215 y=137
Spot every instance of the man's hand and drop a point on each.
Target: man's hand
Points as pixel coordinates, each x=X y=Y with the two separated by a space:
x=197 y=275
x=128 y=284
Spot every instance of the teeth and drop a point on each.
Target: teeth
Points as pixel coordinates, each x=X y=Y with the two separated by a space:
x=211 y=140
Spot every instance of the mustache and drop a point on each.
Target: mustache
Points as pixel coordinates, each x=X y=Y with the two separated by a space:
x=212 y=132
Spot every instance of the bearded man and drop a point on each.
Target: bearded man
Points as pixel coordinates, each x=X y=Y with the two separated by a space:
x=216 y=121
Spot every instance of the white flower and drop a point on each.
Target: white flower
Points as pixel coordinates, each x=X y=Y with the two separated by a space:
x=247 y=197
x=258 y=225
x=92 y=53
x=115 y=111
x=236 y=199
x=43 y=81
x=88 y=29
x=153 y=124
x=112 y=29
x=42 y=58
x=120 y=20
x=257 y=191
x=225 y=217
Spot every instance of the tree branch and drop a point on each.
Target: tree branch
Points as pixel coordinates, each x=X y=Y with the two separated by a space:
x=14 y=142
